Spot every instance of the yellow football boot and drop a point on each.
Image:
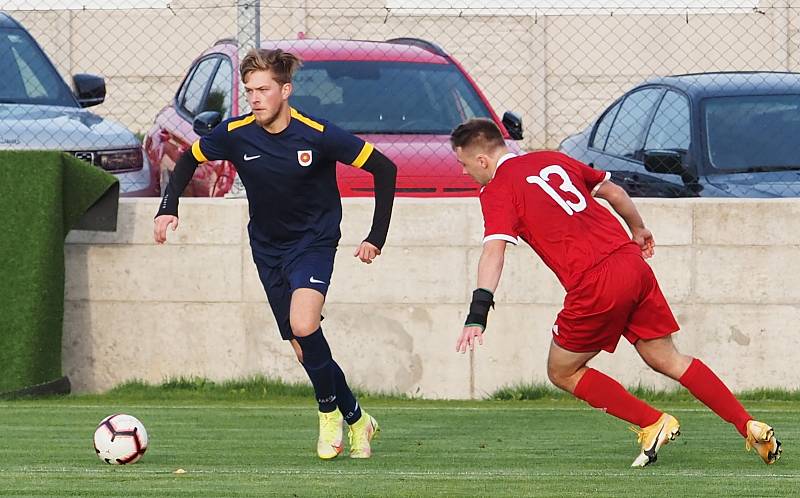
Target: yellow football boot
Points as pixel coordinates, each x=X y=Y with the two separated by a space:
x=653 y=437
x=361 y=434
x=761 y=437
x=329 y=444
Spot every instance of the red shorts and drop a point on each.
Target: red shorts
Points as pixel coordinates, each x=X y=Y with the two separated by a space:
x=618 y=297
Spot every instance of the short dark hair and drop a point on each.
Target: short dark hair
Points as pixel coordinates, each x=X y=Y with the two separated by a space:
x=480 y=132
x=282 y=64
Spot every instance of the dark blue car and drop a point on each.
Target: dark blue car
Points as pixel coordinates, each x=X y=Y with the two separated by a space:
x=727 y=134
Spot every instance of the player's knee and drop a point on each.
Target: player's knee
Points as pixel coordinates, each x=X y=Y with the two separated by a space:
x=671 y=365
x=303 y=327
x=655 y=362
x=558 y=377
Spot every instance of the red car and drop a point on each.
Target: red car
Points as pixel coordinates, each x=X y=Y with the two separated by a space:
x=404 y=95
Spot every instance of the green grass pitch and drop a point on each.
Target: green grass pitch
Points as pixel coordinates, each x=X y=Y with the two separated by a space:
x=234 y=445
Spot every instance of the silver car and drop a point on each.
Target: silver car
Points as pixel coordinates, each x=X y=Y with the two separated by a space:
x=38 y=111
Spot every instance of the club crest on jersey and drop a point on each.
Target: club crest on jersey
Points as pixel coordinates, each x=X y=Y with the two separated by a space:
x=304 y=157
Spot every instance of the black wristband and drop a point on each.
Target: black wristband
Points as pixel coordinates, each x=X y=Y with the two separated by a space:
x=482 y=300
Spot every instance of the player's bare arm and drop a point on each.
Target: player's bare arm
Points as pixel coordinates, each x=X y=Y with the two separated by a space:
x=384 y=174
x=490 y=268
x=490 y=265
x=621 y=202
x=167 y=215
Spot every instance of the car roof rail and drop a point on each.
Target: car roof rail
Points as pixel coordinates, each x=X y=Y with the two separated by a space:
x=227 y=41
x=703 y=73
x=419 y=42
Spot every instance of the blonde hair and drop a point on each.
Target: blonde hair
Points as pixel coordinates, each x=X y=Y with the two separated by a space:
x=281 y=64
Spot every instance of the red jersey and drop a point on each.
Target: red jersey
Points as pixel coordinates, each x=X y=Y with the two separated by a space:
x=546 y=199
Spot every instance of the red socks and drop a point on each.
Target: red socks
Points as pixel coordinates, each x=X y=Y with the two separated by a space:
x=708 y=388
x=605 y=393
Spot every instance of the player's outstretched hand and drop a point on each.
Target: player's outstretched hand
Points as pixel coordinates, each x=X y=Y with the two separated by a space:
x=366 y=252
x=468 y=337
x=644 y=238
x=161 y=224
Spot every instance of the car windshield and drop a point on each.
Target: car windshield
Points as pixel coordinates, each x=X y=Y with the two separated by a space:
x=753 y=133
x=28 y=77
x=387 y=97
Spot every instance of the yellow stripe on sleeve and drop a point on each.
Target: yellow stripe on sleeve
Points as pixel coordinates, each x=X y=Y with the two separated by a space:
x=363 y=155
x=197 y=153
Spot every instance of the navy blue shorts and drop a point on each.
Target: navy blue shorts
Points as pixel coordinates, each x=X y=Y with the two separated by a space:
x=310 y=268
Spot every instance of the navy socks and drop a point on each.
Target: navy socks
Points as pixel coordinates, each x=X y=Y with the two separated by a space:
x=345 y=400
x=330 y=385
x=318 y=363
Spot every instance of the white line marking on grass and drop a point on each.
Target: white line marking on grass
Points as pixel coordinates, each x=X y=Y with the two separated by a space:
x=635 y=473
x=375 y=408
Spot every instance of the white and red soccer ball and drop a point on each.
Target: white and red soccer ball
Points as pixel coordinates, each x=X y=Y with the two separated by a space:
x=120 y=439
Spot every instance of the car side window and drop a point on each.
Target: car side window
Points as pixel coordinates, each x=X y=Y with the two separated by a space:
x=671 y=124
x=196 y=86
x=603 y=127
x=219 y=95
x=34 y=88
x=627 y=132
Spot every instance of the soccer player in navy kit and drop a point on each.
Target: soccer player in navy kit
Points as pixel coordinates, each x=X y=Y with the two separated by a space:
x=546 y=199
x=287 y=163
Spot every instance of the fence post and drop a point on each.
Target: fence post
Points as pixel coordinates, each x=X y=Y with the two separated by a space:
x=792 y=38
x=248 y=35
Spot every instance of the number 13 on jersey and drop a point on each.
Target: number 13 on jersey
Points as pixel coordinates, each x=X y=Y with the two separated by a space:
x=567 y=186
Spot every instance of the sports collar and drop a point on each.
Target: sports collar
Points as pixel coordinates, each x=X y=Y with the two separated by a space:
x=505 y=157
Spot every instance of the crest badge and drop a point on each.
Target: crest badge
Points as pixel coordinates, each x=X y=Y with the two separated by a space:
x=304 y=157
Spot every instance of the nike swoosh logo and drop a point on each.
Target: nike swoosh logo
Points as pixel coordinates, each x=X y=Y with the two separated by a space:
x=315 y=281
x=250 y=158
x=652 y=451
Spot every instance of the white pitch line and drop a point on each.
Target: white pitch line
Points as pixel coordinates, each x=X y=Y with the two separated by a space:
x=375 y=408
x=637 y=473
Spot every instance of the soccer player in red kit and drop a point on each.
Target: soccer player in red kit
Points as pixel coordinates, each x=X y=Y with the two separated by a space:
x=546 y=199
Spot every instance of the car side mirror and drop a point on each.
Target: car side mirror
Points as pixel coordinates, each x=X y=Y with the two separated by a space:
x=513 y=124
x=205 y=122
x=89 y=89
x=668 y=162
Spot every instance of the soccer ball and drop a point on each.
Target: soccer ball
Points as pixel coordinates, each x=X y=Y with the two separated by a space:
x=120 y=439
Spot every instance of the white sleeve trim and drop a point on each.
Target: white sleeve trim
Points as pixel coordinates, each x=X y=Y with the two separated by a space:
x=501 y=236
x=597 y=187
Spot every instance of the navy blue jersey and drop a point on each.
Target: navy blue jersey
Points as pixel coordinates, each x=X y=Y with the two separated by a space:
x=290 y=177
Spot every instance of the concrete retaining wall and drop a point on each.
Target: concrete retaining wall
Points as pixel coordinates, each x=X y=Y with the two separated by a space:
x=195 y=306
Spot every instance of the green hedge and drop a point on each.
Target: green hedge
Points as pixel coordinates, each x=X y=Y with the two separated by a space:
x=42 y=195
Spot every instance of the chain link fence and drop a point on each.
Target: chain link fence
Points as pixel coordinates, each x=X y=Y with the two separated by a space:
x=565 y=69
